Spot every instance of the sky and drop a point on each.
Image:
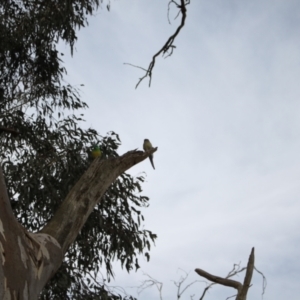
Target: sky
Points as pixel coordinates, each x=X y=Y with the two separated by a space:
x=224 y=112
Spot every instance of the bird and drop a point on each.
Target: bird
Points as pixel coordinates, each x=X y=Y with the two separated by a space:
x=148 y=146
x=96 y=152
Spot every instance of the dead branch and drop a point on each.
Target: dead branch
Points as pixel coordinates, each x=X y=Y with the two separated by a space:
x=149 y=283
x=179 y=283
x=242 y=289
x=243 y=294
x=224 y=281
x=168 y=47
x=264 y=285
x=235 y=270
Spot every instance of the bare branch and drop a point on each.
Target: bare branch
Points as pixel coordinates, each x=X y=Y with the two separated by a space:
x=168 y=47
x=135 y=66
x=242 y=289
x=224 y=281
x=235 y=270
x=205 y=290
x=242 y=295
x=149 y=283
x=230 y=297
x=181 y=281
x=264 y=281
x=179 y=294
x=110 y=288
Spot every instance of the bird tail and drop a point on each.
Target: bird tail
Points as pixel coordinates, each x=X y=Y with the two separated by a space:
x=151 y=160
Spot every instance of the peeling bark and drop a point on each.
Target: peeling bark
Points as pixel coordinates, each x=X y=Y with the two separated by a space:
x=27 y=260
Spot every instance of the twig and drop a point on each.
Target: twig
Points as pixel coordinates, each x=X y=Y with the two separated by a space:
x=149 y=283
x=181 y=281
x=264 y=282
x=135 y=66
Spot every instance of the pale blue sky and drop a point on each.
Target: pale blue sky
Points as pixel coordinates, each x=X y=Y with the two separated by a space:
x=224 y=111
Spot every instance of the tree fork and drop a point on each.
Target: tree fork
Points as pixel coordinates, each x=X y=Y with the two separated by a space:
x=28 y=260
x=242 y=289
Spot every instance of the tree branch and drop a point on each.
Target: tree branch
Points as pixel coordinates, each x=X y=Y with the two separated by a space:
x=149 y=283
x=87 y=192
x=224 y=281
x=264 y=285
x=235 y=270
x=8 y=130
x=168 y=46
x=243 y=294
x=242 y=289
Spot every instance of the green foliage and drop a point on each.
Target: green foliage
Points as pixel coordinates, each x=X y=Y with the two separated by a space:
x=49 y=153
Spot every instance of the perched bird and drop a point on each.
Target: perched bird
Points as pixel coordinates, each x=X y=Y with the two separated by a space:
x=96 y=152
x=148 y=146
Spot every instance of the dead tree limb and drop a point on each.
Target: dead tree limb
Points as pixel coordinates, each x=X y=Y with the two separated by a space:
x=242 y=289
x=235 y=270
x=243 y=294
x=168 y=47
x=224 y=281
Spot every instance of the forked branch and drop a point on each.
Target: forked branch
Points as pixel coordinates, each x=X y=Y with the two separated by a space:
x=242 y=289
x=169 y=46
